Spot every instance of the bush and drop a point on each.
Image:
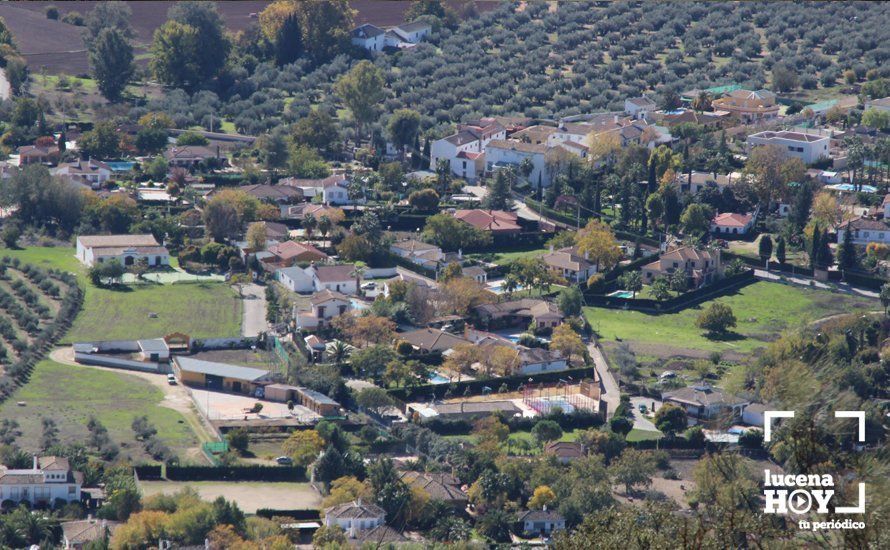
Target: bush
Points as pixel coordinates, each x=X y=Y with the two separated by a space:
x=52 y=12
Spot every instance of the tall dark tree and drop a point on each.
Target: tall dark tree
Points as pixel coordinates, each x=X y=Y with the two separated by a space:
x=780 y=249
x=765 y=249
x=499 y=193
x=213 y=52
x=846 y=253
x=111 y=58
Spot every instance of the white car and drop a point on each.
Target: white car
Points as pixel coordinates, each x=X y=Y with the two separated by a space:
x=171 y=379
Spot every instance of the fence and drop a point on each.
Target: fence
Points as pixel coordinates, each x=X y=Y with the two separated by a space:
x=235 y=473
x=118 y=363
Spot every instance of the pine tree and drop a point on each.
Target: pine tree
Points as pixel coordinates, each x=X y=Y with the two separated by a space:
x=846 y=254
x=766 y=248
x=814 y=246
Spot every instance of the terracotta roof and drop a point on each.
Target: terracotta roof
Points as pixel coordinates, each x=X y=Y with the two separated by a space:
x=334 y=273
x=564 y=449
x=865 y=223
x=264 y=191
x=327 y=295
x=641 y=101
x=496 y=221
x=793 y=136
x=731 y=219
x=469 y=155
x=688 y=253
x=539 y=515
x=527 y=306
x=704 y=396
x=289 y=250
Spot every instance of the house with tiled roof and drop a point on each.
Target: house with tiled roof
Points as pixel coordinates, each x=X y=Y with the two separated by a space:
x=355 y=516
x=519 y=313
x=431 y=340
x=418 y=252
x=639 y=107
x=570 y=264
x=540 y=522
x=565 y=451
x=127 y=249
x=38 y=154
x=89 y=172
x=78 y=534
x=312 y=187
x=191 y=155
x=464 y=150
x=496 y=222
x=288 y=253
x=748 y=106
x=324 y=306
x=439 y=486
x=701 y=265
x=50 y=478
x=731 y=223
x=705 y=401
x=864 y=231
x=278 y=194
x=369 y=37
x=338 y=278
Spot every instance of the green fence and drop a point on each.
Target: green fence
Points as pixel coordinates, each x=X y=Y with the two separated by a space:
x=214 y=450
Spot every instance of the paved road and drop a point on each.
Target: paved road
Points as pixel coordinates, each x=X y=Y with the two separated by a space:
x=611 y=394
x=254 y=317
x=809 y=281
x=640 y=421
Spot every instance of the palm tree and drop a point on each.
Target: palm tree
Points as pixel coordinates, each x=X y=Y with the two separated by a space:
x=309 y=225
x=339 y=352
x=324 y=226
x=33 y=528
x=702 y=102
x=359 y=270
x=510 y=284
x=885 y=296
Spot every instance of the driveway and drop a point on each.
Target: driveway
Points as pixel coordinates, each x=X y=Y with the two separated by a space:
x=254 y=316
x=810 y=282
x=640 y=421
x=611 y=394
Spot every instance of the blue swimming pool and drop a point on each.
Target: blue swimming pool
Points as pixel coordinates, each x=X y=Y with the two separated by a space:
x=622 y=294
x=849 y=187
x=120 y=165
x=437 y=378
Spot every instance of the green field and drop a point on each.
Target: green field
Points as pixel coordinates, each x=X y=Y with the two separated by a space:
x=70 y=394
x=642 y=435
x=762 y=309
x=198 y=309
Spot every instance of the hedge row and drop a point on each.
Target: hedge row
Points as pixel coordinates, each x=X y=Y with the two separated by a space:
x=305 y=515
x=580 y=419
x=236 y=473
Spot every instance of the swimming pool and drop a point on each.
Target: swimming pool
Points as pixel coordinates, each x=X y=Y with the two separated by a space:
x=849 y=188
x=437 y=378
x=621 y=294
x=358 y=304
x=120 y=165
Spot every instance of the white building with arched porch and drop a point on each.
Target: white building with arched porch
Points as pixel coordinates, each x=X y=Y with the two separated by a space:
x=127 y=249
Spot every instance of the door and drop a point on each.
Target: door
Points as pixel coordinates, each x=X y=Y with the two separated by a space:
x=236 y=387
x=213 y=382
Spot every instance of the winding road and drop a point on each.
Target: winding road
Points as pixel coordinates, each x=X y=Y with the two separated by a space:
x=611 y=394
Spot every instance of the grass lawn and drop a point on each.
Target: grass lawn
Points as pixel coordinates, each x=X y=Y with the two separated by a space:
x=507 y=257
x=198 y=309
x=249 y=495
x=762 y=309
x=69 y=395
x=642 y=435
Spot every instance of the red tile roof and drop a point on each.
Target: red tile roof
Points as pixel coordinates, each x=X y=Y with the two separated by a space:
x=731 y=219
x=496 y=221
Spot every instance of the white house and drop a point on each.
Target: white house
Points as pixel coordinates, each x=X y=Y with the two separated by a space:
x=324 y=306
x=753 y=414
x=339 y=278
x=639 y=107
x=413 y=32
x=355 y=516
x=703 y=401
x=295 y=279
x=90 y=172
x=49 y=479
x=476 y=273
x=541 y=522
x=336 y=191
x=368 y=37
x=809 y=148
x=569 y=264
x=864 y=231
x=127 y=249
x=465 y=149
x=538 y=360
x=730 y=223
x=420 y=253
x=503 y=152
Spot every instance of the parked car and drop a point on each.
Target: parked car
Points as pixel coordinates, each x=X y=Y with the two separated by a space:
x=643 y=409
x=369 y=286
x=171 y=379
x=284 y=460
x=668 y=374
